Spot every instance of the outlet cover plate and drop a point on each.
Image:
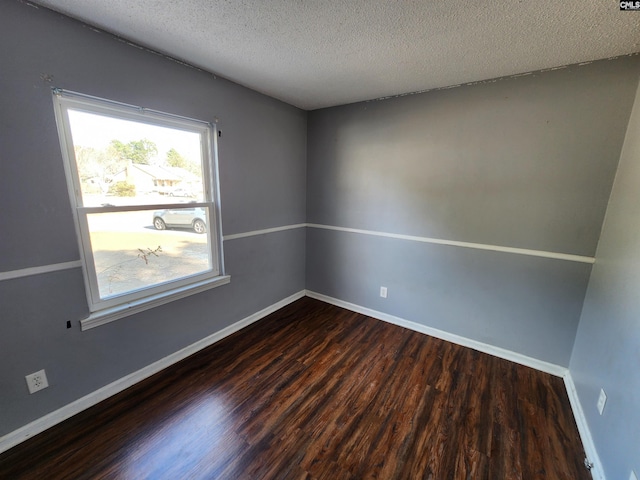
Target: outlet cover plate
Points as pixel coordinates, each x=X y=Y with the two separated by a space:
x=383 y=292
x=602 y=399
x=37 y=381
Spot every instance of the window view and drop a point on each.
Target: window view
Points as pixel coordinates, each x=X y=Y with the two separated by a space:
x=142 y=187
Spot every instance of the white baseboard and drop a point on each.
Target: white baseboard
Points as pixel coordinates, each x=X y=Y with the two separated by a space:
x=597 y=472
x=37 y=426
x=551 y=368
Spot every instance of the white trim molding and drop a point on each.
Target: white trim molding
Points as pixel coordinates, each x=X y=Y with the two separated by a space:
x=37 y=426
x=454 y=243
x=597 y=471
x=26 y=272
x=551 y=368
x=55 y=267
x=112 y=314
x=253 y=233
x=41 y=424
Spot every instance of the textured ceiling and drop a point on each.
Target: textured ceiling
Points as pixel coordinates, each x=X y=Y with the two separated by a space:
x=319 y=53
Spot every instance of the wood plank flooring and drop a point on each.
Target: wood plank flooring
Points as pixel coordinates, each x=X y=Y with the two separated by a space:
x=317 y=392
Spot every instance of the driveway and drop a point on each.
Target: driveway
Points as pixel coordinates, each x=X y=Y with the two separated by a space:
x=130 y=254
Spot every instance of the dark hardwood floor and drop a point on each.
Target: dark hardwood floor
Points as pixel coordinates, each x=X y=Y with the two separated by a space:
x=317 y=392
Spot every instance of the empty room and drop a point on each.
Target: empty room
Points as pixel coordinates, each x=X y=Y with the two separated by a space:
x=319 y=240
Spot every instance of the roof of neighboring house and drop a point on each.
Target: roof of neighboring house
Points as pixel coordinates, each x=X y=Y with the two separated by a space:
x=160 y=173
x=184 y=175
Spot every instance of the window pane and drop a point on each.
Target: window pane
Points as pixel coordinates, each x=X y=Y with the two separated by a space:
x=124 y=162
x=136 y=250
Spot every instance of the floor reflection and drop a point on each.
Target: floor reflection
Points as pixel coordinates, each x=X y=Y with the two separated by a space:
x=188 y=444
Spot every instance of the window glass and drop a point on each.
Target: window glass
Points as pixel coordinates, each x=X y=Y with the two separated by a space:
x=137 y=250
x=142 y=188
x=122 y=161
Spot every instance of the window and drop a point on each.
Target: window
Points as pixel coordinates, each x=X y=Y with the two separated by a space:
x=143 y=189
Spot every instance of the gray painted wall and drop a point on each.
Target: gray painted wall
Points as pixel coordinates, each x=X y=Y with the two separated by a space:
x=606 y=353
x=510 y=301
x=262 y=173
x=524 y=162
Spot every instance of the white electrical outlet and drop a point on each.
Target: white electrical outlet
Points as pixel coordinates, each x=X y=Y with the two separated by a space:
x=602 y=399
x=37 y=381
x=383 y=292
x=632 y=475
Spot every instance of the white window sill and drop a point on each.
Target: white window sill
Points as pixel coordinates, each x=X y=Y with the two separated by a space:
x=130 y=308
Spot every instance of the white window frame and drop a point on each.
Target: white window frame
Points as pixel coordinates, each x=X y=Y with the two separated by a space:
x=112 y=308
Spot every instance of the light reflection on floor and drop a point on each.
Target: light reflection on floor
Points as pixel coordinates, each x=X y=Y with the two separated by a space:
x=184 y=445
